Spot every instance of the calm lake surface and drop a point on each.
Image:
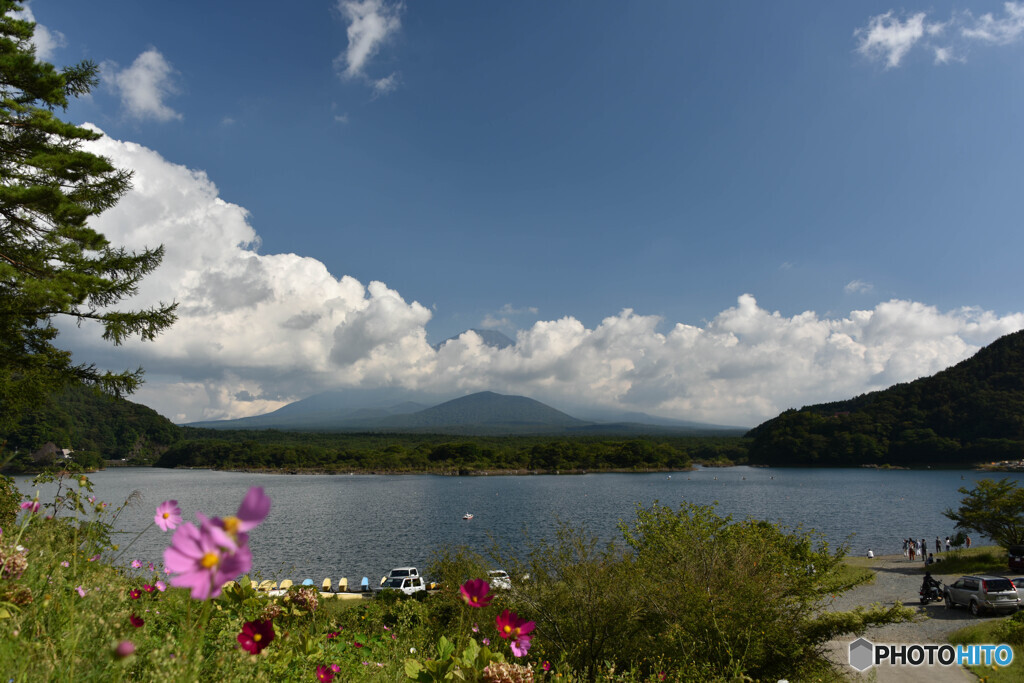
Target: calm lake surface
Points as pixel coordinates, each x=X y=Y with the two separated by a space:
x=354 y=526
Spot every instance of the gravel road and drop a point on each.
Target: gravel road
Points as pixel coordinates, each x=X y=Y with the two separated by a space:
x=897 y=578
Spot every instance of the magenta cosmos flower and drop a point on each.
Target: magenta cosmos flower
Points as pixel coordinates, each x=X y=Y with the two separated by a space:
x=476 y=593
x=168 y=515
x=201 y=562
x=136 y=621
x=31 y=505
x=256 y=635
x=324 y=674
x=510 y=625
x=123 y=649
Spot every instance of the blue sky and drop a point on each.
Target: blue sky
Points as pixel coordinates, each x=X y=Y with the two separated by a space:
x=519 y=165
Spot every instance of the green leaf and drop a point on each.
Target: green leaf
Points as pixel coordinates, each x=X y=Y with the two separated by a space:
x=413 y=668
x=444 y=649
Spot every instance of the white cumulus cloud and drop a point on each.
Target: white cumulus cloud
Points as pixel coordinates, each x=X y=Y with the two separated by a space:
x=889 y=38
x=257 y=331
x=371 y=23
x=46 y=40
x=858 y=287
x=144 y=86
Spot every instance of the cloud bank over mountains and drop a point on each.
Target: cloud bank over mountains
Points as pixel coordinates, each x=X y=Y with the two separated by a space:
x=257 y=331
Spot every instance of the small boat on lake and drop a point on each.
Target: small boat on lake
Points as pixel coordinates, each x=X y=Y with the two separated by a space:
x=468 y=516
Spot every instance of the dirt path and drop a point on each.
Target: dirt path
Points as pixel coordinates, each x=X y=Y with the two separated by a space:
x=896 y=578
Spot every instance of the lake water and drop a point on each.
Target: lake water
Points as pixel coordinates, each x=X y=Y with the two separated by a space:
x=354 y=526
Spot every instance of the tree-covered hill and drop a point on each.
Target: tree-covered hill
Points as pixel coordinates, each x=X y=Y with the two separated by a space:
x=96 y=426
x=972 y=412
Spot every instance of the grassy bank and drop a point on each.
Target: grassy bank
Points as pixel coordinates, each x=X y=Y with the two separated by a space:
x=1009 y=631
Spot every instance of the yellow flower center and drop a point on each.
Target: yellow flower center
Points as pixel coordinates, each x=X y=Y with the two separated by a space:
x=475 y=599
x=209 y=560
x=231 y=525
x=508 y=629
x=167 y=515
x=257 y=637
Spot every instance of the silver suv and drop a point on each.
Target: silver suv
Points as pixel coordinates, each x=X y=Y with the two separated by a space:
x=982 y=593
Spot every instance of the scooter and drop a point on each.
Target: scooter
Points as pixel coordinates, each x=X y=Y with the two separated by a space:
x=931 y=594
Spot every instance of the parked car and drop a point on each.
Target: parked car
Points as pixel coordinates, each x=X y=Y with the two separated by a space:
x=1015 y=557
x=406 y=584
x=403 y=572
x=499 y=578
x=983 y=594
x=1019 y=583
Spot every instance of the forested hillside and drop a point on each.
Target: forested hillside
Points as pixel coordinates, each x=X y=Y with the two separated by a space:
x=441 y=453
x=95 y=426
x=972 y=412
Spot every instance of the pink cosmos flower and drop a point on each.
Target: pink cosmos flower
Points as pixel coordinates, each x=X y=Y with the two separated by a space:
x=335 y=668
x=546 y=666
x=520 y=646
x=486 y=641
x=81 y=591
x=146 y=587
x=476 y=593
x=201 y=562
x=136 y=564
x=324 y=674
x=123 y=649
x=476 y=629
x=91 y=499
x=168 y=515
x=31 y=505
x=510 y=625
x=65 y=563
x=231 y=531
x=161 y=586
x=93 y=558
x=256 y=635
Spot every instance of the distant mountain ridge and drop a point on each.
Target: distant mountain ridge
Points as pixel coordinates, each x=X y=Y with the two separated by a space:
x=482 y=413
x=971 y=412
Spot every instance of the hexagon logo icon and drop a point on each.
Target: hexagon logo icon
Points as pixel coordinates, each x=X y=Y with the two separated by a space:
x=862 y=654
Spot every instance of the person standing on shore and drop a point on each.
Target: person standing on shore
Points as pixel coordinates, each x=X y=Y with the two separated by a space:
x=924 y=550
x=947 y=544
x=938 y=545
x=912 y=550
x=905 y=547
x=968 y=542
